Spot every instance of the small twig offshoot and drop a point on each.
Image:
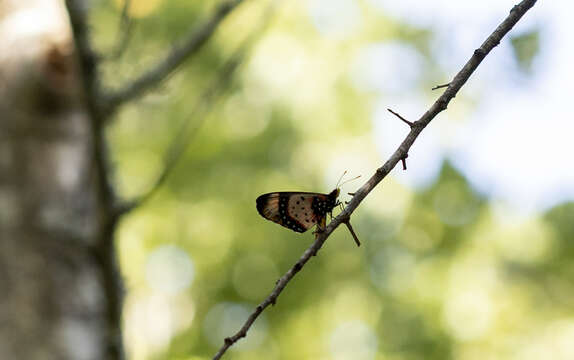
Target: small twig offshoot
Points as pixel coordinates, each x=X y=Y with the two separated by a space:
x=409 y=123
x=348 y=223
x=404 y=161
x=440 y=86
x=124 y=32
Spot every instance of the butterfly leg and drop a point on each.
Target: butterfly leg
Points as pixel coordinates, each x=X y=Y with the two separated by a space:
x=320 y=226
x=341 y=207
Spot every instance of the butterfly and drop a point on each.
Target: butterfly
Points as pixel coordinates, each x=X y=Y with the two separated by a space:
x=298 y=211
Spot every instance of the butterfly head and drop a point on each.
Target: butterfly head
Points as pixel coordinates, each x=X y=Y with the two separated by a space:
x=338 y=187
x=332 y=200
x=335 y=194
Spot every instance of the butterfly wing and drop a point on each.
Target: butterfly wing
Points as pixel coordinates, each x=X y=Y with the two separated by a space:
x=289 y=209
x=298 y=211
x=268 y=206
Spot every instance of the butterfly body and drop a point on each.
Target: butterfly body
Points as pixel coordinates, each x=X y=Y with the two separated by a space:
x=298 y=211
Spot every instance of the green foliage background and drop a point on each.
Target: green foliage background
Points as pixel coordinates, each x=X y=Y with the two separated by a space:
x=439 y=275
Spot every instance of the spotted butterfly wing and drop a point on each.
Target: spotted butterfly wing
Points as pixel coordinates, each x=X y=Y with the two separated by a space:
x=298 y=211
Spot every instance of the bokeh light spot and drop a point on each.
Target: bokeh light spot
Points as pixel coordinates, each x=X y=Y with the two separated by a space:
x=468 y=314
x=526 y=242
x=353 y=340
x=336 y=18
x=169 y=269
x=152 y=321
x=387 y=67
x=244 y=119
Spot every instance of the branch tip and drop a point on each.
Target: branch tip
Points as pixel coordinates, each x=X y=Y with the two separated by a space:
x=441 y=86
x=123 y=33
x=409 y=123
x=404 y=161
x=350 y=227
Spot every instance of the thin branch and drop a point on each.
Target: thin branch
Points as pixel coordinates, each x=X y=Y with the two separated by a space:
x=186 y=133
x=409 y=123
x=440 y=86
x=92 y=96
x=350 y=227
x=178 y=54
x=200 y=111
x=440 y=104
x=104 y=248
x=85 y=53
x=124 y=33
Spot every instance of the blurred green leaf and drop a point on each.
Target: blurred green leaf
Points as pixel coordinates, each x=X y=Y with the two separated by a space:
x=526 y=46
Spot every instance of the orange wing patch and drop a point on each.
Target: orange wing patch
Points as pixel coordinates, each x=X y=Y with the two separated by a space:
x=268 y=206
x=301 y=211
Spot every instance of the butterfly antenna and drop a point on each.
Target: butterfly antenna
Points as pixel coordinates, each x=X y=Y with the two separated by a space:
x=346 y=181
x=341 y=178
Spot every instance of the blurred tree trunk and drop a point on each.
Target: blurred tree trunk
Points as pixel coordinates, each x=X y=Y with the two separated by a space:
x=58 y=293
